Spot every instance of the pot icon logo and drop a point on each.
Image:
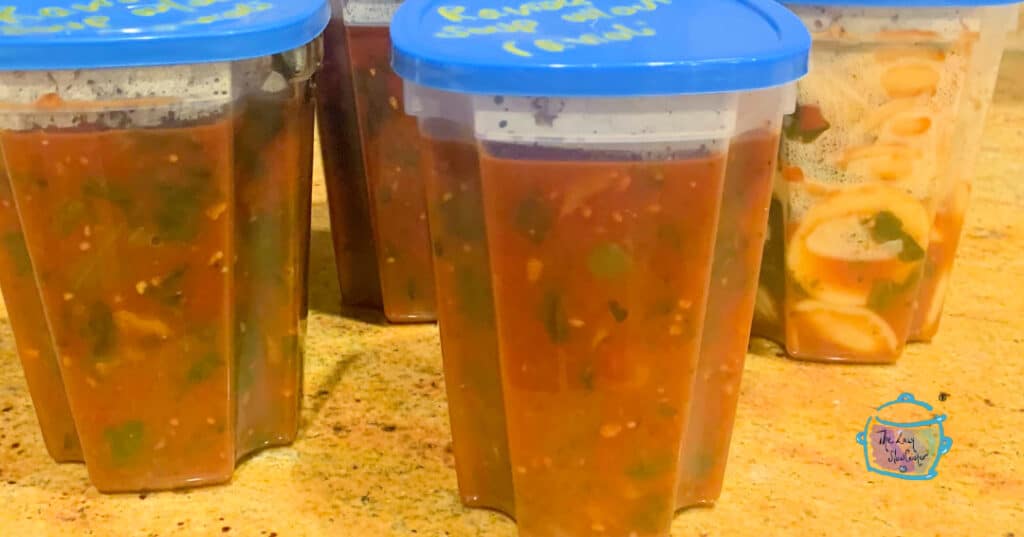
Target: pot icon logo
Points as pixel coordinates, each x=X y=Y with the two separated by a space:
x=904 y=439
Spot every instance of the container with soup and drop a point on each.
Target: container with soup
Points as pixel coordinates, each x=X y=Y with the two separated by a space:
x=375 y=178
x=1016 y=42
x=874 y=174
x=575 y=226
x=465 y=306
x=31 y=335
x=163 y=188
x=742 y=228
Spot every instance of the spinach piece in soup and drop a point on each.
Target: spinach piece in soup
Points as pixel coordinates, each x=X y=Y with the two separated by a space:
x=180 y=206
x=262 y=249
x=554 y=317
x=100 y=331
x=608 y=261
x=533 y=218
x=618 y=312
x=203 y=368
x=17 y=252
x=650 y=467
x=125 y=441
x=887 y=227
x=473 y=290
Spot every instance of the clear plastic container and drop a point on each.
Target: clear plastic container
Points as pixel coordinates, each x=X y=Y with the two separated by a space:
x=348 y=198
x=590 y=184
x=163 y=190
x=739 y=244
x=955 y=185
x=1016 y=42
x=374 y=174
x=465 y=307
x=31 y=335
x=875 y=172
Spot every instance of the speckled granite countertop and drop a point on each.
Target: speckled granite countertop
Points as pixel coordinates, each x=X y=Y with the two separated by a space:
x=373 y=457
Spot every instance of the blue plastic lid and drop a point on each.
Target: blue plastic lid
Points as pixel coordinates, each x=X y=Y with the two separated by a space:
x=598 y=48
x=79 y=34
x=901 y=3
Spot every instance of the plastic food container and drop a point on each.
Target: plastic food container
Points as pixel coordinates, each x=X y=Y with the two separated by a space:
x=31 y=335
x=577 y=159
x=161 y=180
x=742 y=229
x=465 y=306
x=1017 y=38
x=875 y=172
x=374 y=175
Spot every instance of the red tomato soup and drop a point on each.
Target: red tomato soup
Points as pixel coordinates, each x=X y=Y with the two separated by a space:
x=144 y=342
x=389 y=142
x=600 y=282
x=465 y=312
x=349 y=201
x=31 y=335
x=273 y=167
x=738 y=248
x=172 y=262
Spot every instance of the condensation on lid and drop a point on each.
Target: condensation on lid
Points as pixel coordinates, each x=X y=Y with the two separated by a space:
x=668 y=119
x=369 y=12
x=598 y=48
x=81 y=34
x=862 y=20
x=145 y=97
x=866 y=24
